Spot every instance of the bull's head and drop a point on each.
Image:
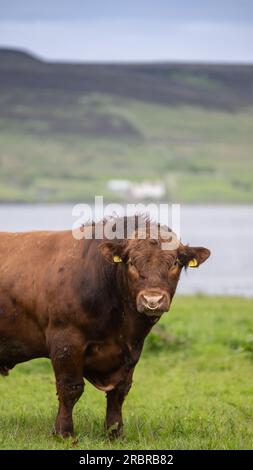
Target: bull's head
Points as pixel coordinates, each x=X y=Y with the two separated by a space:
x=151 y=273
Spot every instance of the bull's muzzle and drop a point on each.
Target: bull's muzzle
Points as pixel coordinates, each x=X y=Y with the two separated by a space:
x=153 y=303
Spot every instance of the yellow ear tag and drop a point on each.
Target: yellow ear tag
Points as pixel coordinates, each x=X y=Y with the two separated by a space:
x=117 y=259
x=193 y=263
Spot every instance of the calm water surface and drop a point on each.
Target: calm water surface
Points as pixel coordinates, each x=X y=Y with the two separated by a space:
x=226 y=230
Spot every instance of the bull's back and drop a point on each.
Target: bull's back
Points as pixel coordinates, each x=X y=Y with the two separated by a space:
x=32 y=268
x=28 y=260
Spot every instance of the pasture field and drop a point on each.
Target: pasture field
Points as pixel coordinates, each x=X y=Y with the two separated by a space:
x=193 y=388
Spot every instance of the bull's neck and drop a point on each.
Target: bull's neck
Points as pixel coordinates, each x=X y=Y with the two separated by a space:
x=136 y=326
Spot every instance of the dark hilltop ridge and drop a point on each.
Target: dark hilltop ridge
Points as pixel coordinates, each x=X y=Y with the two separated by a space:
x=216 y=86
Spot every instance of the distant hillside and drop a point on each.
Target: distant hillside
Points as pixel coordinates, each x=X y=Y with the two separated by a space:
x=67 y=129
x=215 y=86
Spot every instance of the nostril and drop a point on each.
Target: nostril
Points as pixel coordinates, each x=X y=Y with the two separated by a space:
x=152 y=300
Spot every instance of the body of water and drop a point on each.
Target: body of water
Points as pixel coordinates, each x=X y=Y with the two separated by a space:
x=226 y=230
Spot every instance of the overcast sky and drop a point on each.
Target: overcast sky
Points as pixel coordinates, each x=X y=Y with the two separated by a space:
x=125 y=30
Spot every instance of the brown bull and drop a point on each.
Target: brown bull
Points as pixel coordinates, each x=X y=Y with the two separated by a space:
x=87 y=305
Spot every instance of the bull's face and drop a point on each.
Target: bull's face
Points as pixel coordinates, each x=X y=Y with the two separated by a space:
x=150 y=273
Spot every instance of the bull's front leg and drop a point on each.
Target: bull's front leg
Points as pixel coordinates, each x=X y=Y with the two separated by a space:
x=115 y=400
x=67 y=360
x=69 y=392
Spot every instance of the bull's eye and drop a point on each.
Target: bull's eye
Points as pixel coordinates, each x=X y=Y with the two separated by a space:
x=176 y=263
x=133 y=271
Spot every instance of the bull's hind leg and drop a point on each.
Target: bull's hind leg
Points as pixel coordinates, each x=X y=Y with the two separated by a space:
x=67 y=360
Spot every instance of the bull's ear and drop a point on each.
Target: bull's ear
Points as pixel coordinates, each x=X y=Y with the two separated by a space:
x=112 y=250
x=193 y=256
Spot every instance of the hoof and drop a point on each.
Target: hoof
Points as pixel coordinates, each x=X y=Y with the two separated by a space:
x=64 y=433
x=115 y=431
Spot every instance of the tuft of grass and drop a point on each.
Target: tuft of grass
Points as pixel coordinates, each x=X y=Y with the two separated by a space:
x=160 y=339
x=192 y=388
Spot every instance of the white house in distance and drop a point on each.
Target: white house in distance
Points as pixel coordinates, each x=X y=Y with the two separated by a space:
x=119 y=185
x=142 y=190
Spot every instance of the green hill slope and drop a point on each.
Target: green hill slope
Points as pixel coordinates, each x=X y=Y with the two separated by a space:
x=66 y=129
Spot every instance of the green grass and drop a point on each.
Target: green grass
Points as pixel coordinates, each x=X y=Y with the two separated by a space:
x=193 y=388
x=58 y=152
